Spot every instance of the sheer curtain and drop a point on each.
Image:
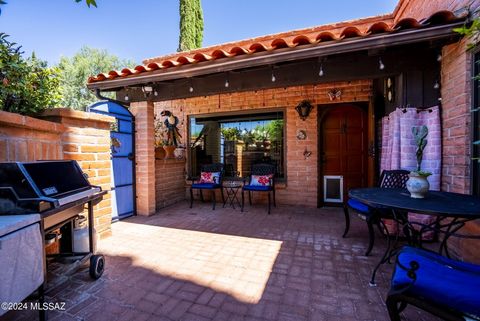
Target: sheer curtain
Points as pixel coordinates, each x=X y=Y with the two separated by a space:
x=398 y=147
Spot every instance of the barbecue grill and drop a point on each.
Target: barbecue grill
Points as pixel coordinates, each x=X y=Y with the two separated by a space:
x=57 y=191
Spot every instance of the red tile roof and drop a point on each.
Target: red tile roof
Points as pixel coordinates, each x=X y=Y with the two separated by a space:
x=316 y=35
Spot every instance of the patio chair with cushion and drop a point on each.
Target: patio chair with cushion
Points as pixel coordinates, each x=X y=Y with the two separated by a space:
x=211 y=177
x=444 y=287
x=262 y=179
x=374 y=215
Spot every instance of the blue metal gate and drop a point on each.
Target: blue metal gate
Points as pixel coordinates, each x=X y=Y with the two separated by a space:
x=122 y=136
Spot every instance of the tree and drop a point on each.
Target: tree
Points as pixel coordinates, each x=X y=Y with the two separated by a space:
x=75 y=71
x=191 y=25
x=27 y=86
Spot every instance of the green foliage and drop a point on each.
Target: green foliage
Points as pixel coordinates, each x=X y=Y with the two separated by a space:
x=191 y=25
x=420 y=134
x=230 y=133
x=89 y=2
x=28 y=85
x=275 y=129
x=75 y=71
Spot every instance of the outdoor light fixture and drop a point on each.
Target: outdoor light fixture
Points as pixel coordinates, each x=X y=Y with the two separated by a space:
x=147 y=90
x=303 y=109
x=155 y=93
x=381 y=66
x=273 y=76
x=227 y=83
x=439 y=57
x=436 y=85
x=127 y=98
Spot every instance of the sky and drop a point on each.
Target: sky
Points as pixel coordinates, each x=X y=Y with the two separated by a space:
x=140 y=29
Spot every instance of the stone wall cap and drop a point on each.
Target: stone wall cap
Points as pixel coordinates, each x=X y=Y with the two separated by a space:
x=17 y=120
x=77 y=114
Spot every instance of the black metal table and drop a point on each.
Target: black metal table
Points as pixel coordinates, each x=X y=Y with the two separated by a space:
x=452 y=211
x=232 y=189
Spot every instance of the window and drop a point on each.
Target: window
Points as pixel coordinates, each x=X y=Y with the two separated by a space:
x=238 y=141
x=476 y=125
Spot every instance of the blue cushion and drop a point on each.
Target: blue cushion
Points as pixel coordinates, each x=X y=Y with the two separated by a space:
x=257 y=188
x=359 y=207
x=205 y=185
x=440 y=280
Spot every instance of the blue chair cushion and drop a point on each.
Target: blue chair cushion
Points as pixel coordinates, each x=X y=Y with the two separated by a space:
x=440 y=280
x=205 y=186
x=359 y=207
x=257 y=188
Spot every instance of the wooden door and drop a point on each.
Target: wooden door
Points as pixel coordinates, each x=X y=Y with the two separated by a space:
x=344 y=146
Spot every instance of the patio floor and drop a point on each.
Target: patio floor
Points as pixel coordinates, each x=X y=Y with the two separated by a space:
x=198 y=264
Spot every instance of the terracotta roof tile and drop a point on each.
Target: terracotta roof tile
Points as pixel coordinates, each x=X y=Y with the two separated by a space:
x=332 y=32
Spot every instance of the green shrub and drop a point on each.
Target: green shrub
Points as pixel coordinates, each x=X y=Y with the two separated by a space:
x=27 y=86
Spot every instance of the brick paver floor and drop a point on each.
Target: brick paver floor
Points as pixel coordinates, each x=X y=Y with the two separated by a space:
x=198 y=264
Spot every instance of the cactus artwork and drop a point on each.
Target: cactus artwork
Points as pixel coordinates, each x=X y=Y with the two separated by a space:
x=420 y=134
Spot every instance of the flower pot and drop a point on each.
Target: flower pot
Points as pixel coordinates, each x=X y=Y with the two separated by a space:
x=417 y=185
x=159 y=153
x=170 y=151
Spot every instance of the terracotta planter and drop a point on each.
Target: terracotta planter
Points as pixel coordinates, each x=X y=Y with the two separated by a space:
x=159 y=153
x=170 y=151
x=417 y=185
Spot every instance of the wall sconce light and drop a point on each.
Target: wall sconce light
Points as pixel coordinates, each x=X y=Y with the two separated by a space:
x=381 y=66
x=303 y=109
x=147 y=90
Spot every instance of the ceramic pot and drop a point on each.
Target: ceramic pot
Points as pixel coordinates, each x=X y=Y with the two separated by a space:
x=417 y=185
x=170 y=151
x=159 y=152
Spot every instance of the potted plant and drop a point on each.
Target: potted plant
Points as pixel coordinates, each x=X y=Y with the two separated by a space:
x=172 y=134
x=418 y=184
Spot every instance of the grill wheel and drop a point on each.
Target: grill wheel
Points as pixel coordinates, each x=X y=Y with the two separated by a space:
x=97 y=265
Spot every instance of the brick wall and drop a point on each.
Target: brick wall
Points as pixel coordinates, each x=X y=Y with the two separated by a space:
x=63 y=134
x=301 y=186
x=169 y=181
x=26 y=139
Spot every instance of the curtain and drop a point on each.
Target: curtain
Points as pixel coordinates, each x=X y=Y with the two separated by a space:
x=398 y=149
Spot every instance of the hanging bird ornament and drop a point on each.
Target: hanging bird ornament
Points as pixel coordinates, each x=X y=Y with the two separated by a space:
x=171 y=123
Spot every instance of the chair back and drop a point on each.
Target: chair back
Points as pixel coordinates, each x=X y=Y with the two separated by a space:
x=215 y=167
x=264 y=169
x=394 y=178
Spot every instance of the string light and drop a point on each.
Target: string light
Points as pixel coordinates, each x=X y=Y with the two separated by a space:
x=381 y=66
x=320 y=72
x=273 y=76
x=439 y=57
x=127 y=98
x=436 y=85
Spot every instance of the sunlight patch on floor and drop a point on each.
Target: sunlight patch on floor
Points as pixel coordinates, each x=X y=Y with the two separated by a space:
x=236 y=265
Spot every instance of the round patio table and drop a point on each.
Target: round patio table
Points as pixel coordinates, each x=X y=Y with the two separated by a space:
x=452 y=211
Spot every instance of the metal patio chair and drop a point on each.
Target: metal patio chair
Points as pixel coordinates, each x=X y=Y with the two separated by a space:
x=262 y=179
x=374 y=215
x=216 y=173
x=441 y=286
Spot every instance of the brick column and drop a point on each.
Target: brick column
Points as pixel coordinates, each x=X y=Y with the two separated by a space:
x=145 y=156
x=456 y=117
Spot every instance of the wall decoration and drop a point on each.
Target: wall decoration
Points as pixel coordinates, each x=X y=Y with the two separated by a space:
x=301 y=134
x=334 y=94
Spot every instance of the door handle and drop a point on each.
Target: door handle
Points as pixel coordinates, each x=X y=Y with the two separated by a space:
x=130 y=156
